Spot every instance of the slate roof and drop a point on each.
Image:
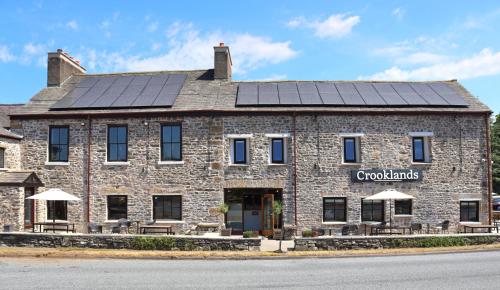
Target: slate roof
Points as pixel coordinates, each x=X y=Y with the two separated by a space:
x=201 y=93
x=5 y=110
x=19 y=178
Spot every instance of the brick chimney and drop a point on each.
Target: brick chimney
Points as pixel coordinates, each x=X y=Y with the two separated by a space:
x=60 y=66
x=222 y=62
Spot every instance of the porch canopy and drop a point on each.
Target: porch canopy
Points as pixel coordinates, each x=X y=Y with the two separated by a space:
x=53 y=195
x=390 y=194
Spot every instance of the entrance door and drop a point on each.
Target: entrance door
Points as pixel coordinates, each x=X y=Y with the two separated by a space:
x=29 y=208
x=267 y=214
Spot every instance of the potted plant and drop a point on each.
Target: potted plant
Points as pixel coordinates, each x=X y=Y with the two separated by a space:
x=277 y=232
x=223 y=209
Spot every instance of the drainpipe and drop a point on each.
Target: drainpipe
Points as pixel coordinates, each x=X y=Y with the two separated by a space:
x=295 y=165
x=488 y=164
x=89 y=141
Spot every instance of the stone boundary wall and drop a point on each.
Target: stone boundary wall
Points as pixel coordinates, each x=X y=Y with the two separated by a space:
x=104 y=241
x=391 y=242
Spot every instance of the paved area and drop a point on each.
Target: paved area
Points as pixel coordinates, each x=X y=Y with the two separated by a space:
x=438 y=271
x=273 y=245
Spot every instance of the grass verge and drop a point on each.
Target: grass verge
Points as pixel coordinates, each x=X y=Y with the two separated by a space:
x=15 y=252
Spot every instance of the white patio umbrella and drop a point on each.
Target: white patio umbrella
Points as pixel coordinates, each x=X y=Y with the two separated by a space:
x=390 y=194
x=53 y=195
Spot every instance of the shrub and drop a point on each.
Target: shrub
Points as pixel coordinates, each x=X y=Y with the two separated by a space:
x=250 y=234
x=307 y=233
x=432 y=242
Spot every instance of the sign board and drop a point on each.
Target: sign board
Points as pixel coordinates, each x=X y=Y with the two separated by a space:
x=385 y=175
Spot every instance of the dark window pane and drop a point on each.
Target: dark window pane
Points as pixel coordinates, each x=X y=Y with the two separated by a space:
x=117 y=207
x=403 y=206
x=334 y=209
x=418 y=149
x=239 y=151
x=117 y=143
x=57 y=208
x=469 y=211
x=349 y=149
x=58 y=144
x=2 y=158
x=277 y=151
x=171 y=144
x=372 y=210
x=167 y=207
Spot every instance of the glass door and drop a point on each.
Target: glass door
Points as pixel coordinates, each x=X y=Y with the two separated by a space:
x=29 y=208
x=267 y=214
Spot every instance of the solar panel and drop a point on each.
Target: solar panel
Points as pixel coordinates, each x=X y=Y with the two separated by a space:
x=381 y=94
x=268 y=94
x=408 y=94
x=369 y=94
x=309 y=93
x=349 y=94
x=288 y=94
x=108 y=92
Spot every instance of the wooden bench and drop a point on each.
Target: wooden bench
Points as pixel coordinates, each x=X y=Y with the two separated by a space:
x=51 y=226
x=472 y=227
x=156 y=229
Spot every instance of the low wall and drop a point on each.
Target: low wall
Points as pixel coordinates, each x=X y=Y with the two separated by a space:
x=140 y=242
x=391 y=242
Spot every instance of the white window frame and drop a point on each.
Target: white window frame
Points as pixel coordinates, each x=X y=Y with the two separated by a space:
x=116 y=163
x=357 y=137
x=285 y=137
x=427 y=146
x=56 y=163
x=231 y=138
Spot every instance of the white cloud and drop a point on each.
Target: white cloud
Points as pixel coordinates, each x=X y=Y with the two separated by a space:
x=186 y=48
x=422 y=58
x=34 y=49
x=273 y=77
x=399 y=13
x=336 y=26
x=152 y=27
x=5 y=55
x=72 y=25
x=484 y=63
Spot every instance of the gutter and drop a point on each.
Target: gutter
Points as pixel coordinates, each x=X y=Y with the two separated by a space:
x=295 y=166
x=489 y=165
x=89 y=142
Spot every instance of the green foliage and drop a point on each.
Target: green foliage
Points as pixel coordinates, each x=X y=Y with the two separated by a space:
x=153 y=243
x=250 y=234
x=433 y=242
x=307 y=233
x=223 y=208
x=495 y=153
x=277 y=207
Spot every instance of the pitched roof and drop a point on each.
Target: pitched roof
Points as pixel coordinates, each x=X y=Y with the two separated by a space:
x=201 y=93
x=8 y=134
x=19 y=178
x=5 y=110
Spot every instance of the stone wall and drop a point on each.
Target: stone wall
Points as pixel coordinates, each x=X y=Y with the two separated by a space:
x=456 y=172
x=12 y=153
x=12 y=207
x=125 y=242
x=390 y=242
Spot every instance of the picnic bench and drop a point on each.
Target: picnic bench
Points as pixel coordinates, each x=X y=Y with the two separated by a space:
x=54 y=226
x=393 y=230
x=473 y=227
x=156 y=229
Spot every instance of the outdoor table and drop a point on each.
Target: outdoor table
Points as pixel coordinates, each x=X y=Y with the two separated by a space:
x=391 y=228
x=156 y=229
x=69 y=227
x=371 y=224
x=472 y=227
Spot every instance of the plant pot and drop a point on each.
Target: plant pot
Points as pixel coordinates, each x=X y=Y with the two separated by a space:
x=225 y=232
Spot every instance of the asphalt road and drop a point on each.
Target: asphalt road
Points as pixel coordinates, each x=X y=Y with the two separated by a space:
x=479 y=270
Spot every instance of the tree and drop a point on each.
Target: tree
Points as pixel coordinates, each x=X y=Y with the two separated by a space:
x=278 y=209
x=495 y=153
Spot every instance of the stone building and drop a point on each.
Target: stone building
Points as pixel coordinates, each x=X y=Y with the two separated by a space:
x=172 y=146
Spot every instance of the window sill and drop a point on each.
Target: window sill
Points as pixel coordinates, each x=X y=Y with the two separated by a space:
x=169 y=222
x=238 y=165
x=421 y=163
x=3 y=169
x=353 y=164
x=333 y=223
x=171 y=162
x=48 y=163
x=277 y=164
x=117 y=163
x=403 y=215
x=57 y=221
x=470 y=223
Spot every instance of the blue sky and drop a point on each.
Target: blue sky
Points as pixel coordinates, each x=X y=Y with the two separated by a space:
x=333 y=40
